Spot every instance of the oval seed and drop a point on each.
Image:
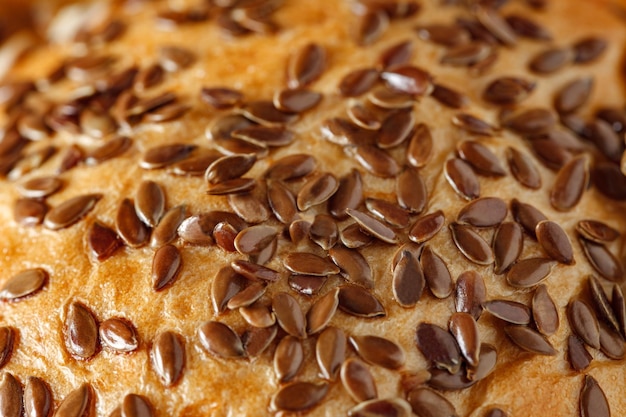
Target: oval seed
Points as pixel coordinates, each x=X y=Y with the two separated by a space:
x=496 y=25
x=7 y=339
x=118 y=334
x=551 y=60
x=129 y=226
x=527 y=216
x=483 y=212
x=593 y=401
x=102 y=241
x=619 y=307
x=322 y=311
x=465 y=330
x=382 y=407
x=373 y=226
x=135 y=405
x=229 y=167
x=602 y=260
x=317 y=190
x=220 y=340
x=378 y=351
x=282 y=202
x=289 y=315
x=449 y=97
x=112 y=148
x=29 y=212
x=462 y=178
x=584 y=323
x=291 y=167
x=354 y=267
x=507 y=91
x=481 y=158
x=443 y=380
x=349 y=194
x=358 y=301
x=408 y=280
x=471 y=244
x=408 y=79
x=529 y=340
x=420 y=149
x=288 y=358
x=258 y=316
x=438 y=346
x=611 y=343
x=570 y=184
x=330 y=351
x=296 y=101
x=436 y=273
x=38 y=401
x=411 y=191
x=221 y=97
x=589 y=49
x=150 y=202
x=471 y=293
x=257 y=340
x=167 y=229
x=596 y=231
x=39 y=187
x=427 y=226
x=166 y=265
x=23 y=284
x=529 y=272
x=168 y=357
x=531 y=121
x=254 y=239
x=395 y=129
x=573 y=95
x=510 y=311
x=10 y=396
x=358 y=82
x=299 y=396
x=544 y=311
x=225 y=285
x=523 y=169
x=428 y=402
x=309 y=264
x=165 y=155
x=76 y=403
x=577 y=354
x=358 y=380
x=508 y=243
x=70 y=211
x=324 y=231
x=601 y=303
x=555 y=242
x=81 y=331
x=375 y=160
x=247 y=296
x=306 y=65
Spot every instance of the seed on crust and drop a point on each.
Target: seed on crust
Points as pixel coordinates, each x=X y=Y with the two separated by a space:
x=220 y=340
x=357 y=301
x=428 y=402
x=371 y=27
x=527 y=215
x=102 y=241
x=175 y=58
x=112 y=148
x=291 y=167
x=375 y=160
x=619 y=307
x=555 y=242
x=506 y=91
x=396 y=55
x=509 y=311
x=150 y=202
x=388 y=98
x=573 y=95
x=570 y=184
x=420 y=149
x=330 y=351
x=358 y=82
x=551 y=60
x=373 y=226
x=38 y=401
x=395 y=129
x=296 y=100
x=229 y=167
x=306 y=65
x=316 y=191
x=584 y=323
x=39 y=187
x=544 y=311
x=395 y=406
x=483 y=212
x=427 y=226
x=596 y=231
x=353 y=266
x=166 y=266
x=349 y=194
x=168 y=357
x=529 y=272
x=165 y=155
x=119 y=335
x=481 y=158
x=589 y=49
x=473 y=124
x=578 y=356
x=408 y=280
x=309 y=264
x=288 y=358
x=357 y=380
x=443 y=34
x=462 y=178
x=602 y=260
x=221 y=97
x=471 y=244
x=11 y=395
x=467 y=54
x=29 y=212
x=465 y=330
x=129 y=226
x=289 y=315
x=491 y=19
x=508 y=243
x=529 y=340
x=324 y=231
x=523 y=168
x=411 y=190
x=449 y=97
x=436 y=273
x=438 y=346
x=81 y=331
x=299 y=396
x=611 y=343
x=256 y=340
x=7 y=341
x=378 y=351
x=471 y=293
x=353 y=237
x=592 y=400
x=70 y=211
x=408 y=80
x=77 y=403
x=135 y=405
x=23 y=284
x=322 y=311
x=254 y=239
x=282 y=202
x=531 y=121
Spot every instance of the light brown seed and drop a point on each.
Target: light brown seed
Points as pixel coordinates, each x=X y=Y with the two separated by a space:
x=443 y=34
x=291 y=167
x=135 y=405
x=596 y=231
x=195 y=165
x=529 y=272
x=529 y=340
x=465 y=330
x=430 y=403
x=265 y=136
x=584 y=323
x=165 y=155
x=438 y=347
x=225 y=235
x=411 y=190
x=322 y=311
x=577 y=354
x=473 y=124
x=39 y=187
x=544 y=311
x=555 y=242
x=258 y=316
x=38 y=401
x=523 y=168
x=353 y=266
x=395 y=129
x=387 y=98
x=462 y=178
x=282 y=202
x=77 y=403
x=602 y=260
x=363 y=116
x=149 y=77
x=254 y=239
x=357 y=380
x=592 y=400
x=471 y=244
x=166 y=266
x=306 y=65
x=167 y=229
x=288 y=358
x=129 y=226
x=508 y=243
x=289 y=315
x=396 y=55
x=527 y=28
x=373 y=226
x=119 y=335
x=408 y=280
x=358 y=82
x=317 y=190
x=349 y=195
x=436 y=273
x=353 y=237
x=506 y=91
x=467 y=54
x=330 y=351
x=619 y=307
x=427 y=226
x=358 y=301
x=531 y=121
x=306 y=284
x=551 y=60
x=7 y=341
x=481 y=158
x=197 y=230
x=299 y=231
x=175 y=58
x=23 y=284
x=589 y=49
x=296 y=100
x=573 y=95
x=70 y=211
x=378 y=351
x=470 y=293
x=309 y=264
x=509 y=311
x=81 y=331
x=168 y=357
x=220 y=340
x=611 y=343
x=29 y=212
x=551 y=154
x=375 y=160
x=324 y=231
x=225 y=285
x=483 y=212
x=395 y=406
x=112 y=148
x=570 y=184
x=250 y=207
x=97 y=124
x=420 y=149
x=527 y=216
x=257 y=340
x=299 y=396
x=150 y=202
x=10 y=396
x=229 y=167
x=247 y=296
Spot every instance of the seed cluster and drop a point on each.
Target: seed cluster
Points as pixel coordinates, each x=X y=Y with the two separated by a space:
x=291 y=237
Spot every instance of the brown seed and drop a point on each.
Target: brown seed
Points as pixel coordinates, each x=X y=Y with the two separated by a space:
x=449 y=97
x=175 y=58
x=165 y=155
x=38 y=401
x=387 y=98
x=150 y=202
x=299 y=230
x=592 y=400
x=471 y=244
x=555 y=242
x=527 y=28
x=29 y=212
x=322 y=311
x=247 y=296
x=7 y=341
x=529 y=340
x=609 y=179
x=81 y=331
x=589 y=49
x=408 y=280
x=427 y=226
x=309 y=264
x=316 y=191
x=483 y=212
x=529 y=272
x=330 y=351
x=97 y=124
x=446 y=35
x=221 y=97
x=466 y=54
x=254 y=239
x=473 y=124
x=611 y=343
x=382 y=407
x=357 y=380
x=544 y=311
x=551 y=154
x=551 y=60
x=470 y=293
x=110 y=149
x=349 y=195
x=166 y=266
x=363 y=116
x=257 y=340
x=438 y=346
x=608 y=142
x=254 y=271
x=408 y=79
x=291 y=167
x=250 y=207
x=77 y=403
x=358 y=82
x=296 y=100
x=149 y=77
x=39 y=187
x=396 y=55
x=358 y=301
x=135 y=405
x=289 y=315
x=523 y=169
x=527 y=216
x=288 y=358
x=306 y=284
x=509 y=311
x=496 y=25
x=70 y=211
x=596 y=231
x=220 y=340
x=102 y=241
x=197 y=230
x=584 y=323
x=353 y=266
x=619 y=307
x=10 y=396
x=167 y=229
x=506 y=91
x=395 y=129
x=166 y=113
x=570 y=184
x=373 y=226
x=306 y=65
x=465 y=330
x=299 y=396
x=129 y=226
x=258 y=316
x=420 y=148
x=282 y=202
x=265 y=135
x=411 y=190
x=531 y=121
x=353 y=237
x=222 y=128
x=573 y=95
x=371 y=26
x=430 y=403
x=462 y=178
x=23 y=284
x=577 y=354
x=375 y=160
x=436 y=273
x=378 y=351
x=119 y=335
x=168 y=357
x=481 y=158
x=508 y=243
x=324 y=231
x=229 y=167
x=150 y=104
x=344 y=132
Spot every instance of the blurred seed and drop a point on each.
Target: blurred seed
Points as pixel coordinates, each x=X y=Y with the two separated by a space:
x=428 y=402
x=396 y=55
x=523 y=169
x=505 y=91
x=23 y=284
x=358 y=82
x=296 y=100
x=299 y=396
x=551 y=60
x=589 y=49
x=573 y=95
x=305 y=65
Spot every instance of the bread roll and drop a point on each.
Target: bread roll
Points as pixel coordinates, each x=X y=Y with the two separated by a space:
x=364 y=207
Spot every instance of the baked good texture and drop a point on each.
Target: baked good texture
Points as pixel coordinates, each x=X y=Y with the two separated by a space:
x=368 y=207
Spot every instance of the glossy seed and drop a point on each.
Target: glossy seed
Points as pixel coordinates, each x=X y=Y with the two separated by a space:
x=358 y=301
x=408 y=280
x=411 y=191
x=167 y=229
x=39 y=187
x=247 y=296
x=470 y=293
x=23 y=284
x=166 y=266
x=220 y=340
x=165 y=155
x=527 y=216
x=462 y=178
x=465 y=330
x=619 y=307
x=299 y=396
x=436 y=273
x=438 y=346
x=291 y=167
x=196 y=230
x=395 y=129
x=349 y=195
x=375 y=160
x=324 y=231
x=483 y=212
x=81 y=331
x=481 y=158
x=282 y=202
x=254 y=239
x=150 y=202
x=471 y=244
x=508 y=243
x=257 y=340
x=168 y=357
x=372 y=226
x=523 y=168
x=544 y=311
x=357 y=380
x=353 y=266
x=29 y=212
x=289 y=314
x=589 y=49
x=7 y=340
x=118 y=334
x=296 y=100
x=584 y=323
x=234 y=186
x=529 y=272
x=135 y=405
x=378 y=351
x=577 y=354
x=102 y=241
x=330 y=351
x=611 y=343
x=112 y=148
x=316 y=191
x=387 y=98
x=353 y=237
x=70 y=211
x=38 y=401
x=509 y=311
x=602 y=260
x=306 y=65
x=555 y=242
x=529 y=340
x=592 y=400
x=288 y=358
x=446 y=35
x=365 y=117
x=306 y=284
x=551 y=60
x=129 y=226
x=322 y=311
x=596 y=231
x=506 y=91
x=229 y=167
x=175 y=58
x=11 y=395
x=76 y=403
x=420 y=149
x=309 y=264
x=573 y=95
x=570 y=184
x=221 y=97
x=473 y=124
x=531 y=121
x=428 y=402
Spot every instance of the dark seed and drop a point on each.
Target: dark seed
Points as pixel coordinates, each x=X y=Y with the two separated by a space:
x=531 y=121
x=373 y=226
x=388 y=98
x=524 y=27
x=430 y=403
x=354 y=267
x=135 y=405
x=619 y=307
x=378 y=351
x=411 y=190
x=596 y=231
x=577 y=354
x=306 y=284
x=253 y=239
x=371 y=27
x=349 y=195
x=496 y=25
x=593 y=401
x=23 y=284
x=39 y=187
x=471 y=244
x=529 y=272
x=150 y=202
x=509 y=311
x=527 y=216
x=175 y=58
x=449 y=97
x=166 y=266
x=408 y=280
x=545 y=313
x=584 y=323
x=555 y=242
x=420 y=149
x=483 y=212
x=427 y=226
x=608 y=142
x=471 y=293
x=38 y=401
x=162 y=156
x=467 y=54
x=111 y=149
x=506 y=91
x=551 y=60
x=508 y=243
x=465 y=330
x=358 y=82
x=395 y=129
x=396 y=55
x=257 y=340
x=523 y=169
x=436 y=273
x=81 y=331
x=289 y=315
x=29 y=212
x=130 y=228
x=570 y=184
x=473 y=124
x=358 y=301
x=381 y=407
x=316 y=191
x=306 y=65
x=573 y=95
x=309 y=264
x=229 y=167
x=282 y=202
x=288 y=358
x=102 y=241
x=291 y=167
x=70 y=211
x=330 y=351
x=438 y=346
x=358 y=380
x=375 y=160
x=168 y=357
x=118 y=334
x=611 y=343
x=481 y=158
x=7 y=338
x=299 y=396
x=220 y=340
x=462 y=178
x=446 y=35
x=589 y=49
x=322 y=311
x=529 y=340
